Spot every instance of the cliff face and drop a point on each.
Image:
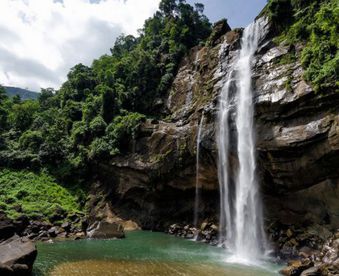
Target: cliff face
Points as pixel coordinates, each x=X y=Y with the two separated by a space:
x=297 y=144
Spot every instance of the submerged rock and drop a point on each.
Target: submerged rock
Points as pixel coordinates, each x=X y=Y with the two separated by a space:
x=105 y=230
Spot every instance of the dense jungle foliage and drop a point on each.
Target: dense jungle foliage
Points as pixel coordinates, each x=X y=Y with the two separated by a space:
x=96 y=112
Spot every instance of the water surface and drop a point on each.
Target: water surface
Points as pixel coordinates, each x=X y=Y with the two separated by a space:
x=141 y=253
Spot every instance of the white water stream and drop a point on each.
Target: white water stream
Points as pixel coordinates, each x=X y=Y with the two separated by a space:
x=197 y=183
x=241 y=218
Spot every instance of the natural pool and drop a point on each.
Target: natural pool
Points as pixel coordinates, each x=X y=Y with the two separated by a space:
x=141 y=253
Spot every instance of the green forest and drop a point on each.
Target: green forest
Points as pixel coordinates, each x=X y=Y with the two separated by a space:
x=96 y=112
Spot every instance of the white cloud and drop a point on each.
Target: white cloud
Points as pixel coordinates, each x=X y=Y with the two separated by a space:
x=40 y=40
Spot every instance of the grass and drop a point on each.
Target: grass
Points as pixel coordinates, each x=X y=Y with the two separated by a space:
x=35 y=194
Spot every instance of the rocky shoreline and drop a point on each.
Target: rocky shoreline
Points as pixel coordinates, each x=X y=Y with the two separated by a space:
x=322 y=262
x=313 y=251
x=73 y=226
x=207 y=232
x=17 y=239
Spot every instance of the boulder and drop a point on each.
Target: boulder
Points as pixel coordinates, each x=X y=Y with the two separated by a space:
x=21 y=224
x=105 y=230
x=7 y=228
x=203 y=226
x=296 y=267
x=58 y=215
x=17 y=256
x=130 y=225
x=312 y=271
x=219 y=29
x=66 y=226
x=53 y=232
x=79 y=236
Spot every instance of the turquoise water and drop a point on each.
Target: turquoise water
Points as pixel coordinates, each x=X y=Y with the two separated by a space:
x=141 y=253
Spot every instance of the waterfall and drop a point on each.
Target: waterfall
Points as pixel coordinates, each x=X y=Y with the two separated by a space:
x=197 y=184
x=241 y=219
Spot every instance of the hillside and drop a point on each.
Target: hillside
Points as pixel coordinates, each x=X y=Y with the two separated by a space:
x=23 y=93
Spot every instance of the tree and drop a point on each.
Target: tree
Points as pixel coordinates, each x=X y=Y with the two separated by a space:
x=167 y=7
x=22 y=115
x=97 y=112
x=80 y=82
x=123 y=45
x=3 y=95
x=3 y=108
x=199 y=7
x=46 y=98
x=109 y=103
x=31 y=140
x=281 y=13
x=16 y=99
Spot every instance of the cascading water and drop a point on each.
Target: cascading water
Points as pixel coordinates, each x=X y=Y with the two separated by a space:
x=197 y=184
x=241 y=218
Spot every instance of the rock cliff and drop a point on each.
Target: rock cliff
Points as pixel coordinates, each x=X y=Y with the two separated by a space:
x=297 y=144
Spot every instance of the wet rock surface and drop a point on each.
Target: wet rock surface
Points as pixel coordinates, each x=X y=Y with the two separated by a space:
x=324 y=261
x=207 y=232
x=105 y=230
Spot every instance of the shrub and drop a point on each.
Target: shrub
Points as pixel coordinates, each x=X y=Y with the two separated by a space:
x=100 y=149
x=123 y=130
x=36 y=193
x=31 y=140
x=97 y=126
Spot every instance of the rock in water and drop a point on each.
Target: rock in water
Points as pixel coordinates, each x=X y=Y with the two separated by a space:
x=106 y=230
x=17 y=256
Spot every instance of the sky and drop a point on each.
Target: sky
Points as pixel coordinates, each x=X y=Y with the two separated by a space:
x=40 y=40
x=239 y=13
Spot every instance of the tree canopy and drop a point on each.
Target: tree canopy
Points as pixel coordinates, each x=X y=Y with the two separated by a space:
x=96 y=112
